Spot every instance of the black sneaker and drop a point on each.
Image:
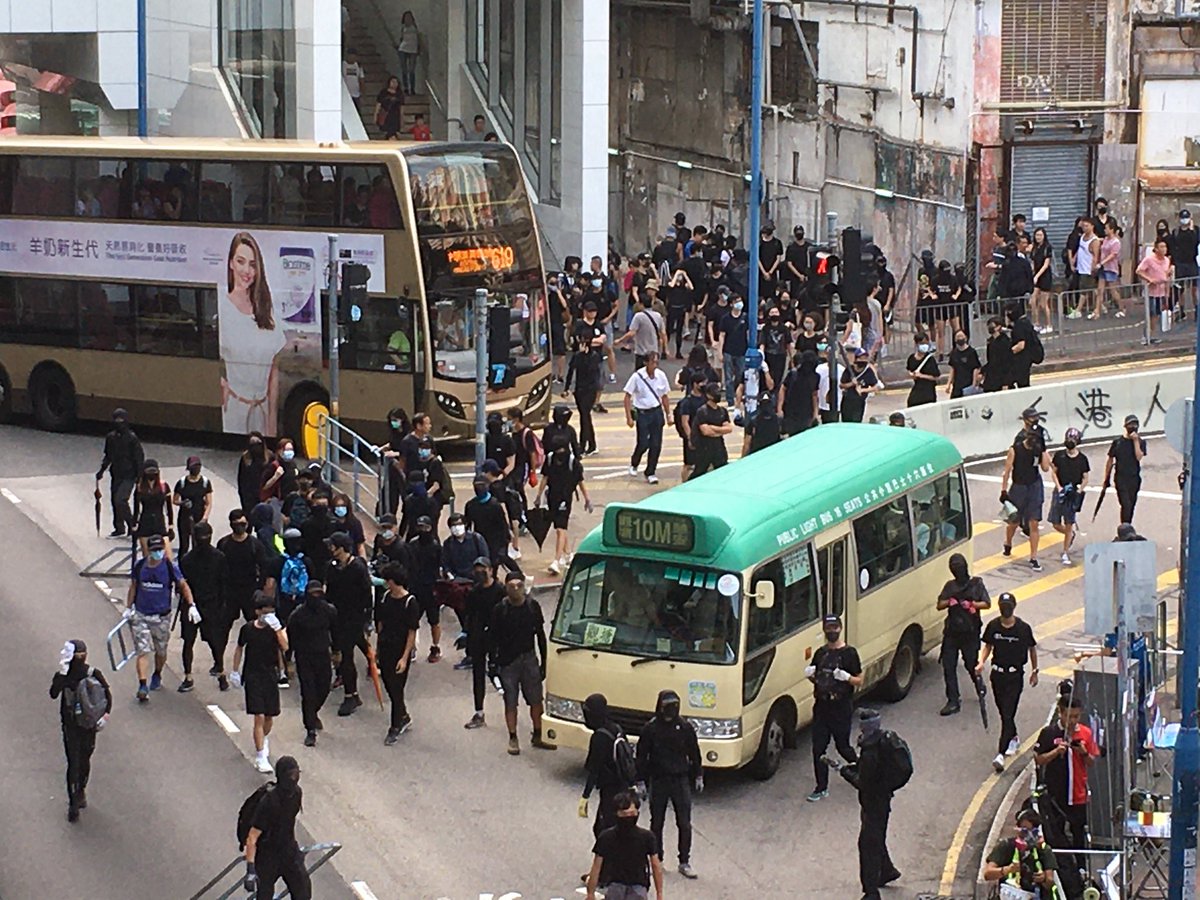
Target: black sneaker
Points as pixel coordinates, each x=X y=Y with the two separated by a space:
x=320 y=724
x=72 y=813
x=393 y=734
x=1007 y=550
x=1035 y=565
x=310 y=739
x=599 y=408
x=81 y=799
x=349 y=705
x=535 y=740
x=950 y=708
x=405 y=724
x=185 y=686
x=214 y=671
x=223 y=683
x=284 y=684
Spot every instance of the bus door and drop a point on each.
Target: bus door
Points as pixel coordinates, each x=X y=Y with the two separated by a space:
x=832 y=561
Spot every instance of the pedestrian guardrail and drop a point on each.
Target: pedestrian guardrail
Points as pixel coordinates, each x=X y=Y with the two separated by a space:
x=325 y=852
x=121 y=637
x=353 y=464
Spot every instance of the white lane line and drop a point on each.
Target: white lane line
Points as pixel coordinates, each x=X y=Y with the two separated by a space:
x=103 y=585
x=362 y=891
x=1049 y=486
x=222 y=719
x=10 y=497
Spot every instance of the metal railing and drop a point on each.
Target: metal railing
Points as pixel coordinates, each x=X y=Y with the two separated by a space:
x=352 y=464
x=326 y=852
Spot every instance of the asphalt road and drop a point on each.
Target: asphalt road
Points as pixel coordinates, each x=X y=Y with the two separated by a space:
x=446 y=813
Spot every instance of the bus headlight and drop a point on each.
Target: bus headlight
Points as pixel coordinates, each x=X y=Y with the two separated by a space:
x=562 y=708
x=450 y=405
x=538 y=393
x=717 y=729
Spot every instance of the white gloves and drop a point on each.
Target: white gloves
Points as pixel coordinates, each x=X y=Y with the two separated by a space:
x=810 y=671
x=193 y=614
x=103 y=721
x=65 y=656
x=841 y=675
x=235 y=678
x=127 y=613
x=272 y=620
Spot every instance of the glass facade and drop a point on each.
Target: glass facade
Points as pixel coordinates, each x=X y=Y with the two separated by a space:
x=514 y=52
x=258 y=60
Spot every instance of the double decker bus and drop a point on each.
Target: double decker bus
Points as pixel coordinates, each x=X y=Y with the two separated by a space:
x=186 y=280
x=716 y=588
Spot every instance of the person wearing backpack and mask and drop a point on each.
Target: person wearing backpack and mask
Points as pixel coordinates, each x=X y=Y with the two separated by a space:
x=611 y=765
x=267 y=831
x=194 y=496
x=835 y=672
x=668 y=762
x=310 y=637
x=291 y=572
x=884 y=766
x=962 y=597
x=148 y=608
x=85 y=703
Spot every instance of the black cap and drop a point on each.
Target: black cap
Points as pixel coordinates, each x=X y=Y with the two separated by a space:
x=590 y=306
x=424 y=522
x=1031 y=413
x=491 y=467
x=1006 y=597
x=342 y=540
x=514 y=576
x=120 y=415
x=315 y=587
x=1132 y=420
x=387 y=519
x=154 y=542
x=263 y=600
x=80 y=646
x=832 y=620
x=482 y=561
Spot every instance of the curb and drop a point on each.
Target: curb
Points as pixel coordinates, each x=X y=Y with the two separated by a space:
x=1001 y=822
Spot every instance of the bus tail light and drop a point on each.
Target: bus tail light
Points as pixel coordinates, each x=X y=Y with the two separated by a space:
x=450 y=406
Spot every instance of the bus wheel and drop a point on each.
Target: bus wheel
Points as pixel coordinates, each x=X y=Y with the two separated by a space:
x=6 y=400
x=301 y=416
x=52 y=396
x=770 y=749
x=903 y=673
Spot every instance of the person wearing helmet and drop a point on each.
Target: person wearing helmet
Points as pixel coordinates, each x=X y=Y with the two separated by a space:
x=1009 y=643
x=1125 y=457
x=1070 y=470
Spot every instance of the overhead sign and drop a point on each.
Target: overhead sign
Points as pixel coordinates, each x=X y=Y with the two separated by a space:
x=469 y=260
x=655 y=530
x=1105 y=586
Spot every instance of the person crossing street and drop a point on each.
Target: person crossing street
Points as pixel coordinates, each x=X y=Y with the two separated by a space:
x=84 y=705
x=835 y=672
x=148 y=607
x=123 y=459
x=669 y=766
x=648 y=409
x=348 y=586
x=1009 y=643
x=311 y=627
x=962 y=597
x=517 y=626
x=397 y=618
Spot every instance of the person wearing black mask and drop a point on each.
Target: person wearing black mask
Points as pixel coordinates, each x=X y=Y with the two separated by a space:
x=194 y=496
x=246 y=563
x=624 y=860
x=601 y=766
x=560 y=423
x=485 y=594
x=835 y=672
x=290 y=572
x=486 y=516
x=770 y=258
x=668 y=762
x=997 y=373
x=251 y=465
x=425 y=564
x=417 y=505
x=1125 y=456
x=348 y=584
x=123 y=459
x=965 y=366
x=796 y=261
x=316 y=530
x=397 y=618
x=710 y=424
x=79 y=732
x=271 y=849
x=1009 y=643
x=776 y=344
x=1021 y=485
x=961 y=599
x=204 y=569
x=584 y=372
x=310 y=635
x=945 y=291
x=797 y=405
x=874 y=777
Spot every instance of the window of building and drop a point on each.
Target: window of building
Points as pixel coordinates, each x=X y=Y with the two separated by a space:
x=792 y=79
x=884 y=541
x=940 y=512
x=797 y=603
x=257 y=55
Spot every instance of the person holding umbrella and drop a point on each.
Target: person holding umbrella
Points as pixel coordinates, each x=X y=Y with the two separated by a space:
x=562 y=475
x=397 y=619
x=1125 y=456
x=1009 y=643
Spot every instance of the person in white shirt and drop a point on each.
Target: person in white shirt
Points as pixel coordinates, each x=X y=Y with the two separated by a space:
x=647 y=407
x=353 y=74
x=827 y=414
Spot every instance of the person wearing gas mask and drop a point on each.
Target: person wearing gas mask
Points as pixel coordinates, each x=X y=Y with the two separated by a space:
x=486 y=515
x=204 y=570
x=76 y=712
x=560 y=424
x=669 y=766
x=485 y=594
x=425 y=556
x=193 y=495
x=1025 y=861
x=310 y=630
x=271 y=850
x=348 y=584
x=148 y=608
x=835 y=672
x=123 y=458
x=961 y=599
x=261 y=641
x=603 y=773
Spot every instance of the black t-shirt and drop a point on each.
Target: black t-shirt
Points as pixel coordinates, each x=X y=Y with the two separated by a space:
x=394 y=551
x=490 y=521
x=276 y=819
x=1184 y=246
x=798 y=400
x=395 y=617
x=944 y=287
x=481 y=602
x=697 y=271
x=501 y=448
x=923 y=391
x=854 y=404
x=963 y=364
x=588 y=332
x=626 y=851
x=804 y=342
x=735 y=330
x=688 y=407
x=1010 y=646
x=958 y=620
x=194 y=491
x=1023 y=332
x=1128 y=468
x=1070 y=469
x=709 y=415
x=245 y=562
x=776 y=340
x=826 y=659
x=1025 y=464
x=261 y=647
x=887 y=282
x=797 y=257
x=678 y=296
x=514 y=629
x=310 y=626
x=769 y=251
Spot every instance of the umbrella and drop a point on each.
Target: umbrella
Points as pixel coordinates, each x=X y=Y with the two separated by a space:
x=97 y=495
x=373 y=669
x=538 y=521
x=981 y=690
x=1103 y=491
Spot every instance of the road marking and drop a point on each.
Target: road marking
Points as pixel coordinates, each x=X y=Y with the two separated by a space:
x=988 y=563
x=1093 y=489
x=222 y=719
x=103 y=586
x=362 y=891
x=10 y=497
x=1074 y=618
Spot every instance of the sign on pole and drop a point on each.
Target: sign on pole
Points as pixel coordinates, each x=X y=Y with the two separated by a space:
x=1140 y=588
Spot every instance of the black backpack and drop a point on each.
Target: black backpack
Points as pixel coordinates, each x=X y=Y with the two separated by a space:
x=86 y=701
x=677 y=414
x=623 y=760
x=246 y=814
x=766 y=426
x=895 y=760
x=1037 y=353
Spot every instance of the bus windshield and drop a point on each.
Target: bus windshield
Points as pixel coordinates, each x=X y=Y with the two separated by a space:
x=475 y=228
x=650 y=609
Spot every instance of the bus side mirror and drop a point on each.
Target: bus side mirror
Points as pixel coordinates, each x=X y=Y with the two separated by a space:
x=764 y=594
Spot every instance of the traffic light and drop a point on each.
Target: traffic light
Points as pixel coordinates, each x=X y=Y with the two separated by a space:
x=501 y=372
x=354 y=292
x=860 y=273
x=8 y=108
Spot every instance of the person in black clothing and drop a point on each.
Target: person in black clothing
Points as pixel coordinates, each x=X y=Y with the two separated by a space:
x=584 y=372
x=1125 y=455
x=624 y=858
x=343 y=519
x=245 y=564
x=797 y=401
x=517 y=625
x=417 y=505
x=923 y=368
x=1024 y=336
x=79 y=742
x=486 y=516
x=796 y=262
x=271 y=849
x=389 y=546
x=485 y=595
x=709 y=427
x=392 y=452
x=289 y=572
x=1016 y=274
x=251 y=465
x=153 y=513
x=685 y=415
x=770 y=258
x=997 y=373
x=193 y=495
x=858 y=383
x=668 y=761
x=835 y=672
x=776 y=344
x=425 y=565
x=600 y=764
x=311 y=628
x=1025 y=457
x=348 y=585
x=204 y=569
x=123 y=458
x=397 y=619
x=560 y=423
x=261 y=641
x=961 y=599
x=316 y=530
x=964 y=365
x=872 y=778
x=1009 y=642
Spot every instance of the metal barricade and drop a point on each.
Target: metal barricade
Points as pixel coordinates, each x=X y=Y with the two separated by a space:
x=117 y=637
x=353 y=464
x=325 y=851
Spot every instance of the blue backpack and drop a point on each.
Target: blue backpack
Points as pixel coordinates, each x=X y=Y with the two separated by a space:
x=294 y=578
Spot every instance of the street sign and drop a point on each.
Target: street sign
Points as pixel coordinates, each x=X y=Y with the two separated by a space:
x=1178 y=426
x=1140 y=586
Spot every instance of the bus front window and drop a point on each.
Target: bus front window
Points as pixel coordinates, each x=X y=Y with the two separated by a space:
x=650 y=609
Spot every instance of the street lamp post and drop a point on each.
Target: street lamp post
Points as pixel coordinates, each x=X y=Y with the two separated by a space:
x=753 y=354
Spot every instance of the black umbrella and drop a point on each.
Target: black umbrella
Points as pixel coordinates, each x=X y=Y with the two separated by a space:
x=538 y=522
x=1099 y=503
x=97 y=495
x=981 y=690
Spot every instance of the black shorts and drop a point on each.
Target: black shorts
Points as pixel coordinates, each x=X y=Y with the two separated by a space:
x=430 y=604
x=262 y=693
x=560 y=508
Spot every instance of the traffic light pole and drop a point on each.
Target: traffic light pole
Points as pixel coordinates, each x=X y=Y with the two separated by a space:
x=753 y=354
x=481 y=376
x=1186 y=793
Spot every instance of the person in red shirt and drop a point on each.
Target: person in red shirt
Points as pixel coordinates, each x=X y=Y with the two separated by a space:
x=420 y=130
x=1064 y=752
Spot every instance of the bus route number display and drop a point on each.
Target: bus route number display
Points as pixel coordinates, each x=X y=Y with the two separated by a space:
x=469 y=260
x=655 y=530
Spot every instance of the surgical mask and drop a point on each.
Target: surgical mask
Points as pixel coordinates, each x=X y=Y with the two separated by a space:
x=340 y=511
x=387 y=535
x=822 y=347
x=458 y=530
x=395 y=423
x=924 y=348
x=157 y=555
x=596 y=282
x=833 y=636
x=288 y=455
x=425 y=453
x=239 y=527
x=483 y=494
x=738 y=306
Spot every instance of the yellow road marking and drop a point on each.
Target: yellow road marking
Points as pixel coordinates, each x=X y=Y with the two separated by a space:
x=1052 y=541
